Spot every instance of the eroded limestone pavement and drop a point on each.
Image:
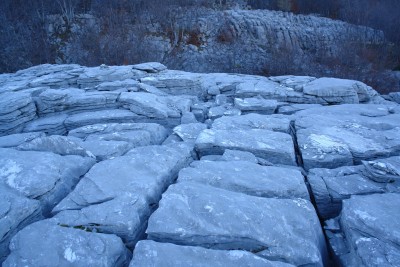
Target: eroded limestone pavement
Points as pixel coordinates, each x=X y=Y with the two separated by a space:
x=145 y=166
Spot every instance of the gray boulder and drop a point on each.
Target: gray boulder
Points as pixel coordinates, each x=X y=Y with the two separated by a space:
x=199 y=215
x=275 y=147
x=248 y=178
x=47 y=244
x=44 y=176
x=167 y=109
x=331 y=186
x=223 y=110
x=370 y=225
x=176 y=83
x=150 y=253
x=16 y=212
x=117 y=196
x=256 y=105
x=151 y=67
x=383 y=170
x=190 y=131
x=334 y=136
x=334 y=91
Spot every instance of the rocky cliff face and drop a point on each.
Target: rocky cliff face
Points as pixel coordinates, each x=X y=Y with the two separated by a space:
x=259 y=42
x=188 y=168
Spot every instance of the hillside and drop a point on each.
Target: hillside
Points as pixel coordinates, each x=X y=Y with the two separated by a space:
x=207 y=36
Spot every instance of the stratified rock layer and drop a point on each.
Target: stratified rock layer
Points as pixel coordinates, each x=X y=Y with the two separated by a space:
x=218 y=169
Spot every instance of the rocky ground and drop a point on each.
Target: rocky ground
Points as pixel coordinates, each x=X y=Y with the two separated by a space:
x=145 y=166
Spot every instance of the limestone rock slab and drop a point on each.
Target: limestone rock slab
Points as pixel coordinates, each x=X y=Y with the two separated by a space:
x=370 y=225
x=96 y=117
x=200 y=215
x=150 y=253
x=16 y=212
x=248 y=178
x=276 y=122
x=117 y=196
x=16 y=109
x=275 y=147
x=47 y=244
x=41 y=175
x=334 y=136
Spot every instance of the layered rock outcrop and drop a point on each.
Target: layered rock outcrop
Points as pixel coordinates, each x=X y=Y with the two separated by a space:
x=141 y=165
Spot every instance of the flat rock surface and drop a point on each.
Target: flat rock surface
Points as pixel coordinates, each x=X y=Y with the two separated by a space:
x=65 y=247
x=335 y=136
x=371 y=228
x=199 y=215
x=150 y=253
x=41 y=175
x=276 y=122
x=275 y=147
x=130 y=185
x=248 y=178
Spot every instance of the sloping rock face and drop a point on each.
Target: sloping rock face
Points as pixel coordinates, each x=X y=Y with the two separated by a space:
x=145 y=166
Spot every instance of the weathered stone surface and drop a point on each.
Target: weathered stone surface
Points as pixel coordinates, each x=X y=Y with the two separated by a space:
x=16 y=212
x=47 y=244
x=331 y=186
x=330 y=137
x=75 y=100
x=96 y=117
x=117 y=196
x=14 y=140
x=176 y=82
x=333 y=91
x=128 y=85
x=56 y=144
x=293 y=108
x=370 y=225
x=256 y=105
x=190 y=131
x=150 y=253
x=276 y=122
x=50 y=125
x=16 y=110
x=152 y=67
x=275 y=147
x=248 y=178
x=383 y=170
x=44 y=176
x=224 y=110
x=103 y=150
x=236 y=155
x=92 y=77
x=136 y=134
x=199 y=215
